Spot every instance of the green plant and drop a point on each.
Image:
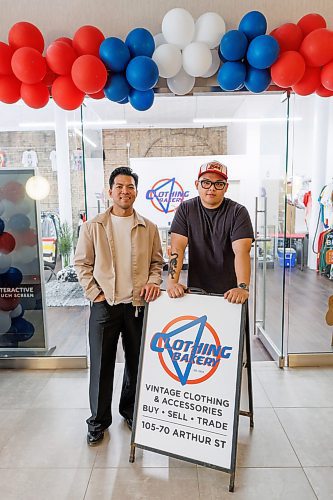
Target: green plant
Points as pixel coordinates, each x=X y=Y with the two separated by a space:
x=65 y=241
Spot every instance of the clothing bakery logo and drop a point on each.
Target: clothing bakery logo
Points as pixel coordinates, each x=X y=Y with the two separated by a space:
x=189 y=349
x=166 y=195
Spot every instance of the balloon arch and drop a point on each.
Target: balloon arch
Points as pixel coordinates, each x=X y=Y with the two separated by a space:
x=293 y=56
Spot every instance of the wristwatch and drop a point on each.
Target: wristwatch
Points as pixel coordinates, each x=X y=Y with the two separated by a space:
x=244 y=286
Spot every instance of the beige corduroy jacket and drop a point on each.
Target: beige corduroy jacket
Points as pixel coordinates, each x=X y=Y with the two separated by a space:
x=94 y=257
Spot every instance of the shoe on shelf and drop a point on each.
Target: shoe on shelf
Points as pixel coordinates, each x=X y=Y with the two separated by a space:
x=129 y=422
x=94 y=437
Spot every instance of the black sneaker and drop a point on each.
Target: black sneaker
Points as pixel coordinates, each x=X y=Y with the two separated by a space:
x=94 y=437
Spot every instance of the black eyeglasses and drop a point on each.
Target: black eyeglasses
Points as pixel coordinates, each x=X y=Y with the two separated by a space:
x=219 y=185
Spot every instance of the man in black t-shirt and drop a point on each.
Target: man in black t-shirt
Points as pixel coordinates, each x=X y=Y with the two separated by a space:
x=219 y=235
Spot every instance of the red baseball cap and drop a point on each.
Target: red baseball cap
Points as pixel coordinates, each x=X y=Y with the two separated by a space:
x=214 y=167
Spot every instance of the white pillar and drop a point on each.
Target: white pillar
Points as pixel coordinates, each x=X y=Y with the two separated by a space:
x=318 y=170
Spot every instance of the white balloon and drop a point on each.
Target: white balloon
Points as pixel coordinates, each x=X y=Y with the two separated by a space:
x=37 y=187
x=159 y=40
x=181 y=84
x=215 y=64
x=209 y=29
x=5 y=321
x=16 y=312
x=178 y=27
x=168 y=58
x=197 y=59
x=5 y=262
x=24 y=255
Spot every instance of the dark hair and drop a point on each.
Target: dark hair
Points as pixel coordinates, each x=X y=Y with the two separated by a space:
x=123 y=171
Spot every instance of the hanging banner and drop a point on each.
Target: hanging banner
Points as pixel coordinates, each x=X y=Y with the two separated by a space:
x=187 y=403
x=21 y=292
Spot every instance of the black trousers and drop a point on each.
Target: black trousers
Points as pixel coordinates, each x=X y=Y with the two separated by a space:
x=105 y=325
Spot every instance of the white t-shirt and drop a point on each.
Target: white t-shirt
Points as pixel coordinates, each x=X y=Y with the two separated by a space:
x=29 y=158
x=121 y=232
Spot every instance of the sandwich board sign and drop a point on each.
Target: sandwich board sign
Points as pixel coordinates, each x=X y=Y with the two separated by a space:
x=189 y=382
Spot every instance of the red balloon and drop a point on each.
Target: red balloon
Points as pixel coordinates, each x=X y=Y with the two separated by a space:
x=317 y=47
x=25 y=34
x=10 y=89
x=13 y=191
x=60 y=57
x=322 y=92
x=327 y=76
x=89 y=74
x=87 y=40
x=288 y=69
x=289 y=36
x=36 y=95
x=65 y=39
x=7 y=243
x=66 y=94
x=9 y=303
x=97 y=95
x=26 y=238
x=311 y=22
x=309 y=83
x=6 y=53
x=49 y=77
x=29 y=65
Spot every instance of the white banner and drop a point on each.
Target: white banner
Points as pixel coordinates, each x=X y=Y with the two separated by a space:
x=187 y=384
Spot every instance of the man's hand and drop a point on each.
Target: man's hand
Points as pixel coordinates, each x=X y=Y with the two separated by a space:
x=236 y=295
x=176 y=290
x=150 y=292
x=100 y=297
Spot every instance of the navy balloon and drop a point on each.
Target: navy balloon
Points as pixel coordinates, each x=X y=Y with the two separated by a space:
x=257 y=80
x=231 y=75
x=124 y=101
x=2 y=226
x=142 y=73
x=12 y=278
x=263 y=51
x=19 y=222
x=233 y=45
x=141 y=100
x=117 y=87
x=253 y=24
x=115 y=54
x=140 y=42
x=24 y=328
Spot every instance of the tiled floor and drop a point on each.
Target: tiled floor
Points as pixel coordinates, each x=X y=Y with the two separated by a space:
x=44 y=455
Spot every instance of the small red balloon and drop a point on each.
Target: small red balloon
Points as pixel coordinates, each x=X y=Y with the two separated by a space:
x=60 y=57
x=97 y=95
x=327 y=76
x=10 y=89
x=28 y=65
x=289 y=36
x=311 y=22
x=87 y=40
x=9 y=303
x=25 y=34
x=65 y=39
x=36 y=95
x=308 y=83
x=322 y=92
x=89 y=74
x=13 y=191
x=288 y=69
x=66 y=94
x=49 y=77
x=6 y=54
x=317 y=47
x=7 y=243
x=26 y=238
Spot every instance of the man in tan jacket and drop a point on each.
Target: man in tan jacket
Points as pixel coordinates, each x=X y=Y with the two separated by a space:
x=119 y=264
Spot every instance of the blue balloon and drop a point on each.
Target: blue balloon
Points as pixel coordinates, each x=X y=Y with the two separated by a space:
x=263 y=51
x=24 y=329
x=142 y=73
x=223 y=59
x=115 y=54
x=141 y=100
x=117 y=87
x=253 y=24
x=233 y=45
x=2 y=226
x=140 y=42
x=12 y=278
x=231 y=75
x=19 y=223
x=257 y=80
x=124 y=101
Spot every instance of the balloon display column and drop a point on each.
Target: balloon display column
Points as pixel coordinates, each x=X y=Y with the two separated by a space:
x=22 y=326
